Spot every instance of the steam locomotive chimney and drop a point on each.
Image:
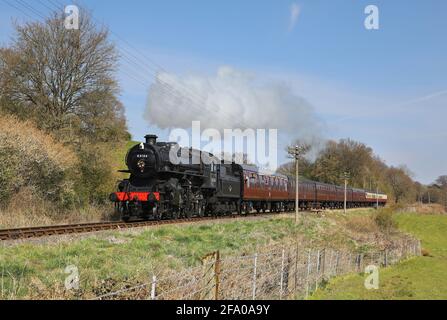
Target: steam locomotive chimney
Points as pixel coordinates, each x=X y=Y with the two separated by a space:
x=151 y=139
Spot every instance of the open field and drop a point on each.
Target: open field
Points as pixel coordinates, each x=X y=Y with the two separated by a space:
x=417 y=278
x=37 y=270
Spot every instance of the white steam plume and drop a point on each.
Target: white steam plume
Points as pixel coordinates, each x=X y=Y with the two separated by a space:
x=230 y=99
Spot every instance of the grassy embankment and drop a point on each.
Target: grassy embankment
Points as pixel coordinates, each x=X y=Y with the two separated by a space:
x=25 y=210
x=417 y=278
x=37 y=270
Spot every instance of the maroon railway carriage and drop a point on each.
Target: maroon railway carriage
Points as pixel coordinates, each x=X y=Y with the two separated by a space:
x=276 y=192
x=263 y=192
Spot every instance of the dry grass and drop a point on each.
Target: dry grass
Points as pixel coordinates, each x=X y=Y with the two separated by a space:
x=422 y=278
x=27 y=210
x=24 y=136
x=39 y=216
x=33 y=160
x=112 y=261
x=363 y=229
x=362 y=224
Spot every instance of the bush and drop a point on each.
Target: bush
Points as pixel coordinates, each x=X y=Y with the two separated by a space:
x=96 y=179
x=385 y=220
x=31 y=159
x=362 y=224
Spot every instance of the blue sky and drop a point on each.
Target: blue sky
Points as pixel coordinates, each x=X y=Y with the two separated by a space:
x=386 y=87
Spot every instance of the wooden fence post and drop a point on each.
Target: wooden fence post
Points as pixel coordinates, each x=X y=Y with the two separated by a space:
x=317 y=277
x=296 y=268
x=360 y=262
x=282 y=274
x=324 y=262
x=217 y=270
x=208 y=276
x=330 y=263
x=308 y=273
x=337 y=261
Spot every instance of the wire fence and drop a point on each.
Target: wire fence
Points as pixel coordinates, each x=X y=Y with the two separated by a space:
x=286 y=272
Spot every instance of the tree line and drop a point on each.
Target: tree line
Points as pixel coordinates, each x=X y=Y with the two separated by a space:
x=366 y=171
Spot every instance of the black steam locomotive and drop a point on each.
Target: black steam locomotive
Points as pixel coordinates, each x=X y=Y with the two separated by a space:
x=159 y=188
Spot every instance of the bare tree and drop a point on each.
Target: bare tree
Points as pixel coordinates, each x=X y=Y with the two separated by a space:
x=55 y=74
x=442 y=181
x=402 y=186
x=344 y=156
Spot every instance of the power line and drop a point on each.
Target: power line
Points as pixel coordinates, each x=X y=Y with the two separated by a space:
x=167 y=88
x=190 y=95
x=135 y=63
x=32 y=9
x=43 y=3
x=15 y=7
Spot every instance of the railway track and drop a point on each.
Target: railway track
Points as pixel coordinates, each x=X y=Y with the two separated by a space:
x=38 y=232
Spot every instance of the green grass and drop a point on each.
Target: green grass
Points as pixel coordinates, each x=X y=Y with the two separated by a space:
x=417 y=278
x=118 y=156
x=131 y=254
x=136 y=256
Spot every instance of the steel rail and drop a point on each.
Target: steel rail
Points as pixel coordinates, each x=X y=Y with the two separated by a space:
x=43 y=231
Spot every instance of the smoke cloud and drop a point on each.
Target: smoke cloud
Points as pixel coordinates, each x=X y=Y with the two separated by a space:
x=231 y=99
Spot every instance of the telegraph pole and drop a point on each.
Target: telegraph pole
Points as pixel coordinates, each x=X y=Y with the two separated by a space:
x=297 y=189
x=296 y=152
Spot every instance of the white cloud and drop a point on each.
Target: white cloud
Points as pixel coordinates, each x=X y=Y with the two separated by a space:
x=295 y=11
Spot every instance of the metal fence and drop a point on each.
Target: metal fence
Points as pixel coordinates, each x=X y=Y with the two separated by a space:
x=286 y=272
